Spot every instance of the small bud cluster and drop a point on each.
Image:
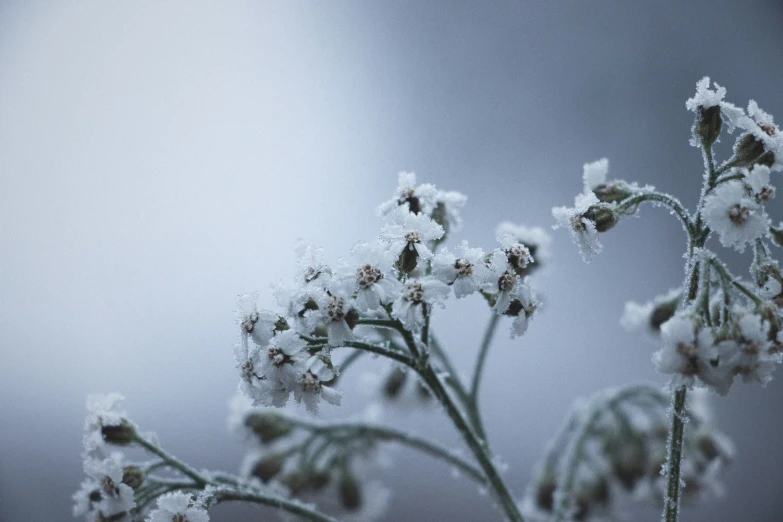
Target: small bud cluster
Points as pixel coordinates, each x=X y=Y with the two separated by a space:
x=399 y=277
x=616 y=443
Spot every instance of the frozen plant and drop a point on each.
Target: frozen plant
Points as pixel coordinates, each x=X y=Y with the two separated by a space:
x=380 y=300
x=716 y=326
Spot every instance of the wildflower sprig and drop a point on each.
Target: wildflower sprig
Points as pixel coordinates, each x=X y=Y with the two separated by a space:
x=716 y=326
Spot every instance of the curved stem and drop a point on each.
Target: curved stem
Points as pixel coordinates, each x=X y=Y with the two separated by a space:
x=391 y=434
x=172 y=461
x=478 y=373
x=452 y=379
x=664 y=199
x=380 y=350
x=292 y=506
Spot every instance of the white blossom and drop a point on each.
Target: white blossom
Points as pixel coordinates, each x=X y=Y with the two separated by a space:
x=334 y=307
x=310 y=387
x=762 y=126
x=594 y=174
x=705 y=97
x=750 y=354
x=536 y=239
x=411 y=231
x=523 y=305
x=255 y=324
x=417 y=292
x=311 y=269
x=269 y=373
x=102 y=411
x=447 y=208
x=178 y=507
x=583 y=230
x=757 y=181
x=737 y=218
x=372 y=276
x=465 y=273
x=501 y=281
x=116 y=497
x=410 y=197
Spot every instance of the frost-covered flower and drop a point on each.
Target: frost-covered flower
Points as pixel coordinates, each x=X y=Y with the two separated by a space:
x=501 y=281
x=705 y=97
x=447 y=209
x=371 y=276
x=762 y=126
x=417 y=292
x=408 y=235
x=689 y=352
x=465 y=273
x=757 y=182
x=737 y=218
x=178 y=507
x=594 y=174
x=310 y=384
x=113 y=498
x=269 y=373
x=522 y=306
x=584 y=231
x=517 y=254
x=412 y=198
x=312 y=271
x=536 y=239
x=106 y=422
x=750 y=353
x=649 y=317
x=335 y=311
x=255 y=324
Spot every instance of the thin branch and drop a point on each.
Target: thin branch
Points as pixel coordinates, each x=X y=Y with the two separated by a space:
x=673 y=204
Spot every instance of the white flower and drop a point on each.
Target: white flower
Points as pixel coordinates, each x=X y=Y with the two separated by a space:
x=536 y=239
x=750 y=355
x=763 y=127
x=447 y=209
x=255 y=324
x=333 y=310
x=594 y=174
x=412 y=198
x=465 y=273
x=705 y=97
x=737 y=218
x=688 y=352
x=412 y=232
x=582 y=229
x=417 y=292
x=649 y=317
x=517 y=254
x=178 y=507
x=501 y=281
x=522 y=306
x=372 y=276
x=102 y=411
x=312 y=271
x=758 y=183
x=116 y=497
x=269 y=373
x=310 y=385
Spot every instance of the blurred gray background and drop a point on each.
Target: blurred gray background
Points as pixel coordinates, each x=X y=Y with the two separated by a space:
x=159 y=158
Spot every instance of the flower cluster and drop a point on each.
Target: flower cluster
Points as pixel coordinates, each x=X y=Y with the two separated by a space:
x=614 y=444
x=399 y=277
x=117 y=490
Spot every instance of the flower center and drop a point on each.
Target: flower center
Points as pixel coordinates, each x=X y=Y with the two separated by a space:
x=247 y=371
x=507 y=281
x=738 y=214
x=518 y=256
x=412 y=237
x=108 y=486
x=179 y=517
x=334 y=309
x=311 y=274
x=464 y=268
x=277 y=357
x=414 y=293
x=368 y=275
x=310 y=382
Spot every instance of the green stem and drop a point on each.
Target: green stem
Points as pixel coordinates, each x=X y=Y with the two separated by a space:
x=666 y=200
x=671 y=499
x=390 y=434
x=380 y=350
x=452 y=379
x=478 y=372
x=292 y=506
x=172 y=461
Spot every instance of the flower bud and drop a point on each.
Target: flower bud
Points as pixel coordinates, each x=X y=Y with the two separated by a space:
x=394 y=383
x=663 y=311
x=318 y=480
x=266 y=468
x=708 y=125
x=122 y=434
x=603 y=217
x=777 y=235
x=748 y=149
x=133 y=476
x=352 y=318
x=350 y=493
x=440 y=217
x=268 y=426
x=281 y=325
x=295 y=481
x=612 y=192
x=408 y=260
